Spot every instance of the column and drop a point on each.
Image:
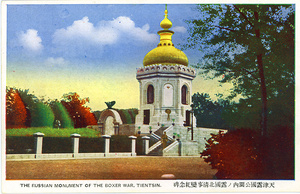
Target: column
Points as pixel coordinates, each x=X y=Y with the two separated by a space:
x=133 y=145
x=106 y=144
x=75 y=141
x=38 y=139
x=146 y=144
x=179 y=147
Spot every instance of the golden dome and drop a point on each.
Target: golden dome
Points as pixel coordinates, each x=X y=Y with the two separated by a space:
x=168 y=55
x=166 y=23
x=165 y=53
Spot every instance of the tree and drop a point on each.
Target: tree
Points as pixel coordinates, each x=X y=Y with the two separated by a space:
x=42 y=115
x=61 y=115
x=247 y=45
x=39 y=113
x=15 y=110
x=80 y=114
x=29 y=101
x=209 y=113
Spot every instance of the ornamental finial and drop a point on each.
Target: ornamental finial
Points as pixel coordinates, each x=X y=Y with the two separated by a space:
x=166 y=23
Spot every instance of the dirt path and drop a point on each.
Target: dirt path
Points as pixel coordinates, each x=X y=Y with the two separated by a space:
x=111 y=168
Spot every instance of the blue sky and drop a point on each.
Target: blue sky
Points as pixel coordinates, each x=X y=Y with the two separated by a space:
x=92 y=49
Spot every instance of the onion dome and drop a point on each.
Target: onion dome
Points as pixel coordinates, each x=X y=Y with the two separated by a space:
x=166 y=23
x=165 y=52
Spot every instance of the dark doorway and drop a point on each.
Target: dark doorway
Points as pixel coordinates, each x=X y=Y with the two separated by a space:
x=188 y=118
x=146 y=117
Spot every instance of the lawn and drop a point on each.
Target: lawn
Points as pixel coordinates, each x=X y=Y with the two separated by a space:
x=53 y=132
x=110 y=168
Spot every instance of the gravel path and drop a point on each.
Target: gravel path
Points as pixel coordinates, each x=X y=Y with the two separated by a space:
x=110 y=168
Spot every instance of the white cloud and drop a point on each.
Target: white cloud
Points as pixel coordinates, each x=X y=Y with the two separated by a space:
x=179 y=29
x=83 y=32
x=56 y=62
x=30 y=41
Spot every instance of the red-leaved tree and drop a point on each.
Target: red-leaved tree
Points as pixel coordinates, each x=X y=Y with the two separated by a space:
x=244 y=154
x=15 y=110
x=80 y=114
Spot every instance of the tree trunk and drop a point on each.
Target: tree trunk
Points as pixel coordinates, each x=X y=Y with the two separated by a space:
x=264 y=113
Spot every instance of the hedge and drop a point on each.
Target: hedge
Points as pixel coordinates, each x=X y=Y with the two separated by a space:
x=118 y=143
x=53 y=132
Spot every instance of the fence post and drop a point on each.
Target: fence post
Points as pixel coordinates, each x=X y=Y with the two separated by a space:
x=133 y=145
x=38 y=139
x=179 y=147
x=106 y=145
x=146 y=144
x=75 y=141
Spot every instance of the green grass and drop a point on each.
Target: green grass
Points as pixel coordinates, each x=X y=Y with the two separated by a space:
x=52 y=132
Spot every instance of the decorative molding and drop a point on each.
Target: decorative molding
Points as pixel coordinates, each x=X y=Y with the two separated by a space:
x=166 y=69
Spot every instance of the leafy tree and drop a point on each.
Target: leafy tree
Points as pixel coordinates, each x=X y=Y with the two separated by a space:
x=42 y=115
x=97 y=114
x=244 y=114
x=39 y=113
x=15 y=110
x=133 y=112
x=80 y=114
x=29 y=100
x=208 y=113
x=61 y=114
x=251 y=46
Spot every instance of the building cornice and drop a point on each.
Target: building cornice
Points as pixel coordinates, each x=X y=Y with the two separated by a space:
x=159 y=70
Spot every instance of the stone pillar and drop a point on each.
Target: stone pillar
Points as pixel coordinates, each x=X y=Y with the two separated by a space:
x=38 y=139
x=146 y=144
x=133 y=145
x=107 y=144
x=75 y=141
x=179 y=147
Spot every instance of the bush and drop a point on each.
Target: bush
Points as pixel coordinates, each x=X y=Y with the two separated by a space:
x=25 y=145
x=57 y=145
x=20 y=145
x=120 y=143
x=244 y=154
x=233 y=154
x=281 y=153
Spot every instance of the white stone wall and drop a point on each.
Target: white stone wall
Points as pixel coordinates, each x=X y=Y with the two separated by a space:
x=189 y=147
x=158 y=115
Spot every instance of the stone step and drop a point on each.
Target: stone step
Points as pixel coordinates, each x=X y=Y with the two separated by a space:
x=160 y=131
x=159 y=150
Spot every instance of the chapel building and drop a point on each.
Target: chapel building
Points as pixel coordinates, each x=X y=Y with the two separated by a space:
x=165 y=85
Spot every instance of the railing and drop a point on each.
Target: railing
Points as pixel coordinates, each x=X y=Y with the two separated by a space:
x=171 y=146
x=170 y=137
x=154 y=146
x=155 y=136
x=169 y=132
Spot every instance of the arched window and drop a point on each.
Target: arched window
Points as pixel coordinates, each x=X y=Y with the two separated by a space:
x=150 y=94
x=184 y=94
